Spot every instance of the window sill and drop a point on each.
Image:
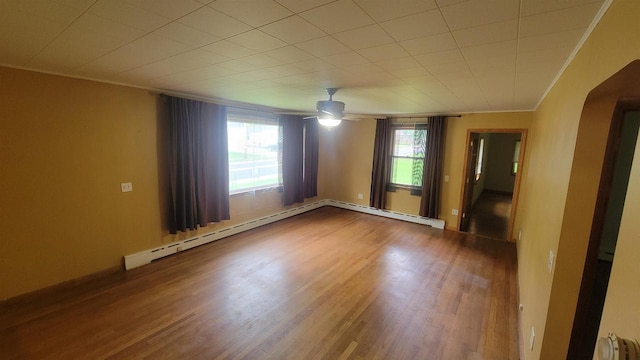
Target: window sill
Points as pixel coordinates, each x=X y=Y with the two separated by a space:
x=412 y=190
x=253 y=192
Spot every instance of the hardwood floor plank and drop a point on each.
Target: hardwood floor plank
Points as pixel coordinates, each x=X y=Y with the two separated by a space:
x=328 y=284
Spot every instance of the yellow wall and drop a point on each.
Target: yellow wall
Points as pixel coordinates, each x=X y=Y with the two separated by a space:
x=65 y=147
x=350 y=150
x=564 y=160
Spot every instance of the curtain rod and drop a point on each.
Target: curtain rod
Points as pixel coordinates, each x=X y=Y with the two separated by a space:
x=422 y=116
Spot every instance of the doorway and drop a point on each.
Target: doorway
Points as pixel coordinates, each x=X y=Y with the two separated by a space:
x=491 y=182
x=621 y=145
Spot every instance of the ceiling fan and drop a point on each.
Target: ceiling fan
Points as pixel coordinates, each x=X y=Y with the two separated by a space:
x=329 y=112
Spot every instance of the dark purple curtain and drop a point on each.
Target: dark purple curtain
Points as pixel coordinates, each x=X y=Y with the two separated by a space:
x=199 y=164
x=311 y=140
x=431 y=180
x=292 y=159
x=381 y=148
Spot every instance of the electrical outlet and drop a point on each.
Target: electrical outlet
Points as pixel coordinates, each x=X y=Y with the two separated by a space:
x=532 y=339
x=550 y=261
x=126 y=187
x=454 y=212
x=520 y=235
x=360 y=196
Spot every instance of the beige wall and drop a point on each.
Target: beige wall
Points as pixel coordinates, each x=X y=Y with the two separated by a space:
x=563 y=162
x=455 y=148
x=65 y=147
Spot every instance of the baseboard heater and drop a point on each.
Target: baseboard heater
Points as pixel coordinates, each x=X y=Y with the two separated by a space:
x=145 y=257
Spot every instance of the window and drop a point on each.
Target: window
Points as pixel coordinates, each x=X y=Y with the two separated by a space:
x=479 y=159
x=516 y=156
x=408 y=147
x=254 y=151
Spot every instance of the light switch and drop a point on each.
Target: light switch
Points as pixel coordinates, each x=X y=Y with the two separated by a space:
x=446 y=178
x=550 y=261
x=126 y=187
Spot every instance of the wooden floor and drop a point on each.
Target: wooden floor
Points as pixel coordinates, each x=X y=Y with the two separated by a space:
x=490 y=215
x=328 y=284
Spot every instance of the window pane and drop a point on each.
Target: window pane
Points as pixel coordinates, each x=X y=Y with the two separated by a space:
x=407 y=161
x=253 y=155
x=479 y=159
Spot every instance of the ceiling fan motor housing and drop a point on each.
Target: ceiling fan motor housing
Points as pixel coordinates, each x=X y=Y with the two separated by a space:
x=329 y=109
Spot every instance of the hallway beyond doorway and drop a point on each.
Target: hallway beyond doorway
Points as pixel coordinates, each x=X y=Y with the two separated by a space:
x=490 y=215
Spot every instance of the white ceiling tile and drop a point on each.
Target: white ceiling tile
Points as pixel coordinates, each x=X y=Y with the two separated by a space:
x=505 y=48
x=301 y=5
x=121 y=12
x=383 y=52
x=450 y=71
x=345 y=59
x=493 y=66
x=474 y=13
x=92 y=28
x=416 y=26
x=550 y=60
x=237 y=66
x=387 y=10
x=485 y=34
x=398 y=64
x=170 y=9
x=410 y=73
x=81 y=5
x=64 y=55
x=261 y=61
x=257 y=40
x=287 y=70
x=443 y=3
x=254 y=13
x=178 y=63
x=293 y=30
x=289 y=54
x=442 y=57
x=214 y=23
x=364 y=37
x=531 y=7
x=548 y=41
x=313 y=65
x=186 y=34
x=27 y=27
x=337 y=16
x=229 y=49
x=429 y=44
x=323 y=46
x=557 y=21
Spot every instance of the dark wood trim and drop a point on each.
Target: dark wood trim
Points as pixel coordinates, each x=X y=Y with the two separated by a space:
x=577 y=349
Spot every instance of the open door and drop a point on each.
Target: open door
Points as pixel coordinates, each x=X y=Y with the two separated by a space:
x=469 y=180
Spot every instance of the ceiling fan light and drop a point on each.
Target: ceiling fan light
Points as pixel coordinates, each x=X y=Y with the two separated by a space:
x=328 y=122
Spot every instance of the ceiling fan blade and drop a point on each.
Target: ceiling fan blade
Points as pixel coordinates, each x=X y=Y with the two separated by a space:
x=309 y=117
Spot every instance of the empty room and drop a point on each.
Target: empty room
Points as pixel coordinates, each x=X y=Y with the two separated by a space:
x=319 y=179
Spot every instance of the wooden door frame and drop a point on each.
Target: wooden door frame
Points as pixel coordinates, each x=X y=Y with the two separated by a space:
x=516 y=186
x=578 y=331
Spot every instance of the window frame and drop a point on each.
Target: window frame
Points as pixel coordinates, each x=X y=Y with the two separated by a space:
x=238 y=115
x=516 y=157
x=391 y=186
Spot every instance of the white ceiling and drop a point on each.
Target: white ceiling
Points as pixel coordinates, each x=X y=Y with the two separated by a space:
x=387 y=56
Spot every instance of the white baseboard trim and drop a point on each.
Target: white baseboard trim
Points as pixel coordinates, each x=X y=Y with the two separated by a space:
x=144 y=257
x=436 y=223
